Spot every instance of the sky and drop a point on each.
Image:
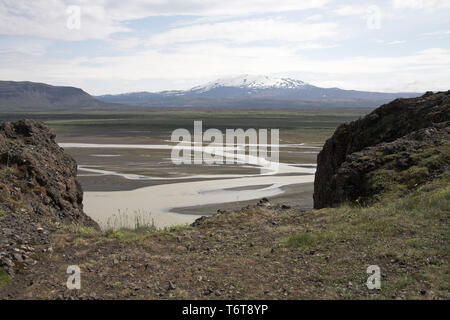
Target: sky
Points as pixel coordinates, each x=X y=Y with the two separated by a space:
x=116 y=46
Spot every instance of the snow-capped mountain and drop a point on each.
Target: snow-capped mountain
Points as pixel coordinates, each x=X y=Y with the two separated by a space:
x=251 y=82
x=246 y=86
x=257 y=90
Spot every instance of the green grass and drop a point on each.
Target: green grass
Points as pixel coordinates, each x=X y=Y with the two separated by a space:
x=177 y=228
x=303 y=240
x=391 y=181
x=139 y=220
x=4 y=278
x=140 y=233
x=2 y=213
x=122 y=227
x=130 y=234
x=130 y=227
x=82 y=231
x=408 y=237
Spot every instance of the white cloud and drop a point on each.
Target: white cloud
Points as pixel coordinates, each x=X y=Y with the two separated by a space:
x=396 y=42
x=48 y=19
x=349 y=10
x=420 y=4
x=217 y=38
x=315 y=17
x=421 y=71
x=125 y=43
x=245 y=31
x=20 y=46
x=373 y=14
x=101 y=18
x=126 y=10
x=436 y=33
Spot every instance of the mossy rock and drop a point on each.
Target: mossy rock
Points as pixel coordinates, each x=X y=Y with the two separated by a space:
x=414 y=176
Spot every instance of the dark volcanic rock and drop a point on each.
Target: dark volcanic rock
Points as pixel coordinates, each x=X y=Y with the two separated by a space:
x=38 y=172
x=359 y=147
x=38 y=189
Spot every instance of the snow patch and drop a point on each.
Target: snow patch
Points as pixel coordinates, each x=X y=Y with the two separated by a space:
x=252 y=82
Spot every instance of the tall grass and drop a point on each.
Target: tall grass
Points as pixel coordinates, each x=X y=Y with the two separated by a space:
x=138 y=220
x=133 y=226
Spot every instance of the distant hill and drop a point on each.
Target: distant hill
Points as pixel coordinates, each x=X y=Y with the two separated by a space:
x=258 y=91
x=242 y=91
x=18 y=96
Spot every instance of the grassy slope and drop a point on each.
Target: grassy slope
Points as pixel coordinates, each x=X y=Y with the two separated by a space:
x=391 y=181
x=407 y=237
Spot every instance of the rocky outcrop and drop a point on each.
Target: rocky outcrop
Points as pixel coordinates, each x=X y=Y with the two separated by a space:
x=38 y=190
x=391 y=138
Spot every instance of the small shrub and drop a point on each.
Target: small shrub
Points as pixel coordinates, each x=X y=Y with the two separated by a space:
x=79 y=242
x=415 y=175
x=177 y=227
x=303 y=240
x=82 y=231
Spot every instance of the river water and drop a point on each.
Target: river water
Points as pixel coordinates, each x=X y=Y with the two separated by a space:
x=158 y=203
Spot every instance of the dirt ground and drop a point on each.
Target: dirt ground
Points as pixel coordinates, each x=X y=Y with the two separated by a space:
x=252 y=253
